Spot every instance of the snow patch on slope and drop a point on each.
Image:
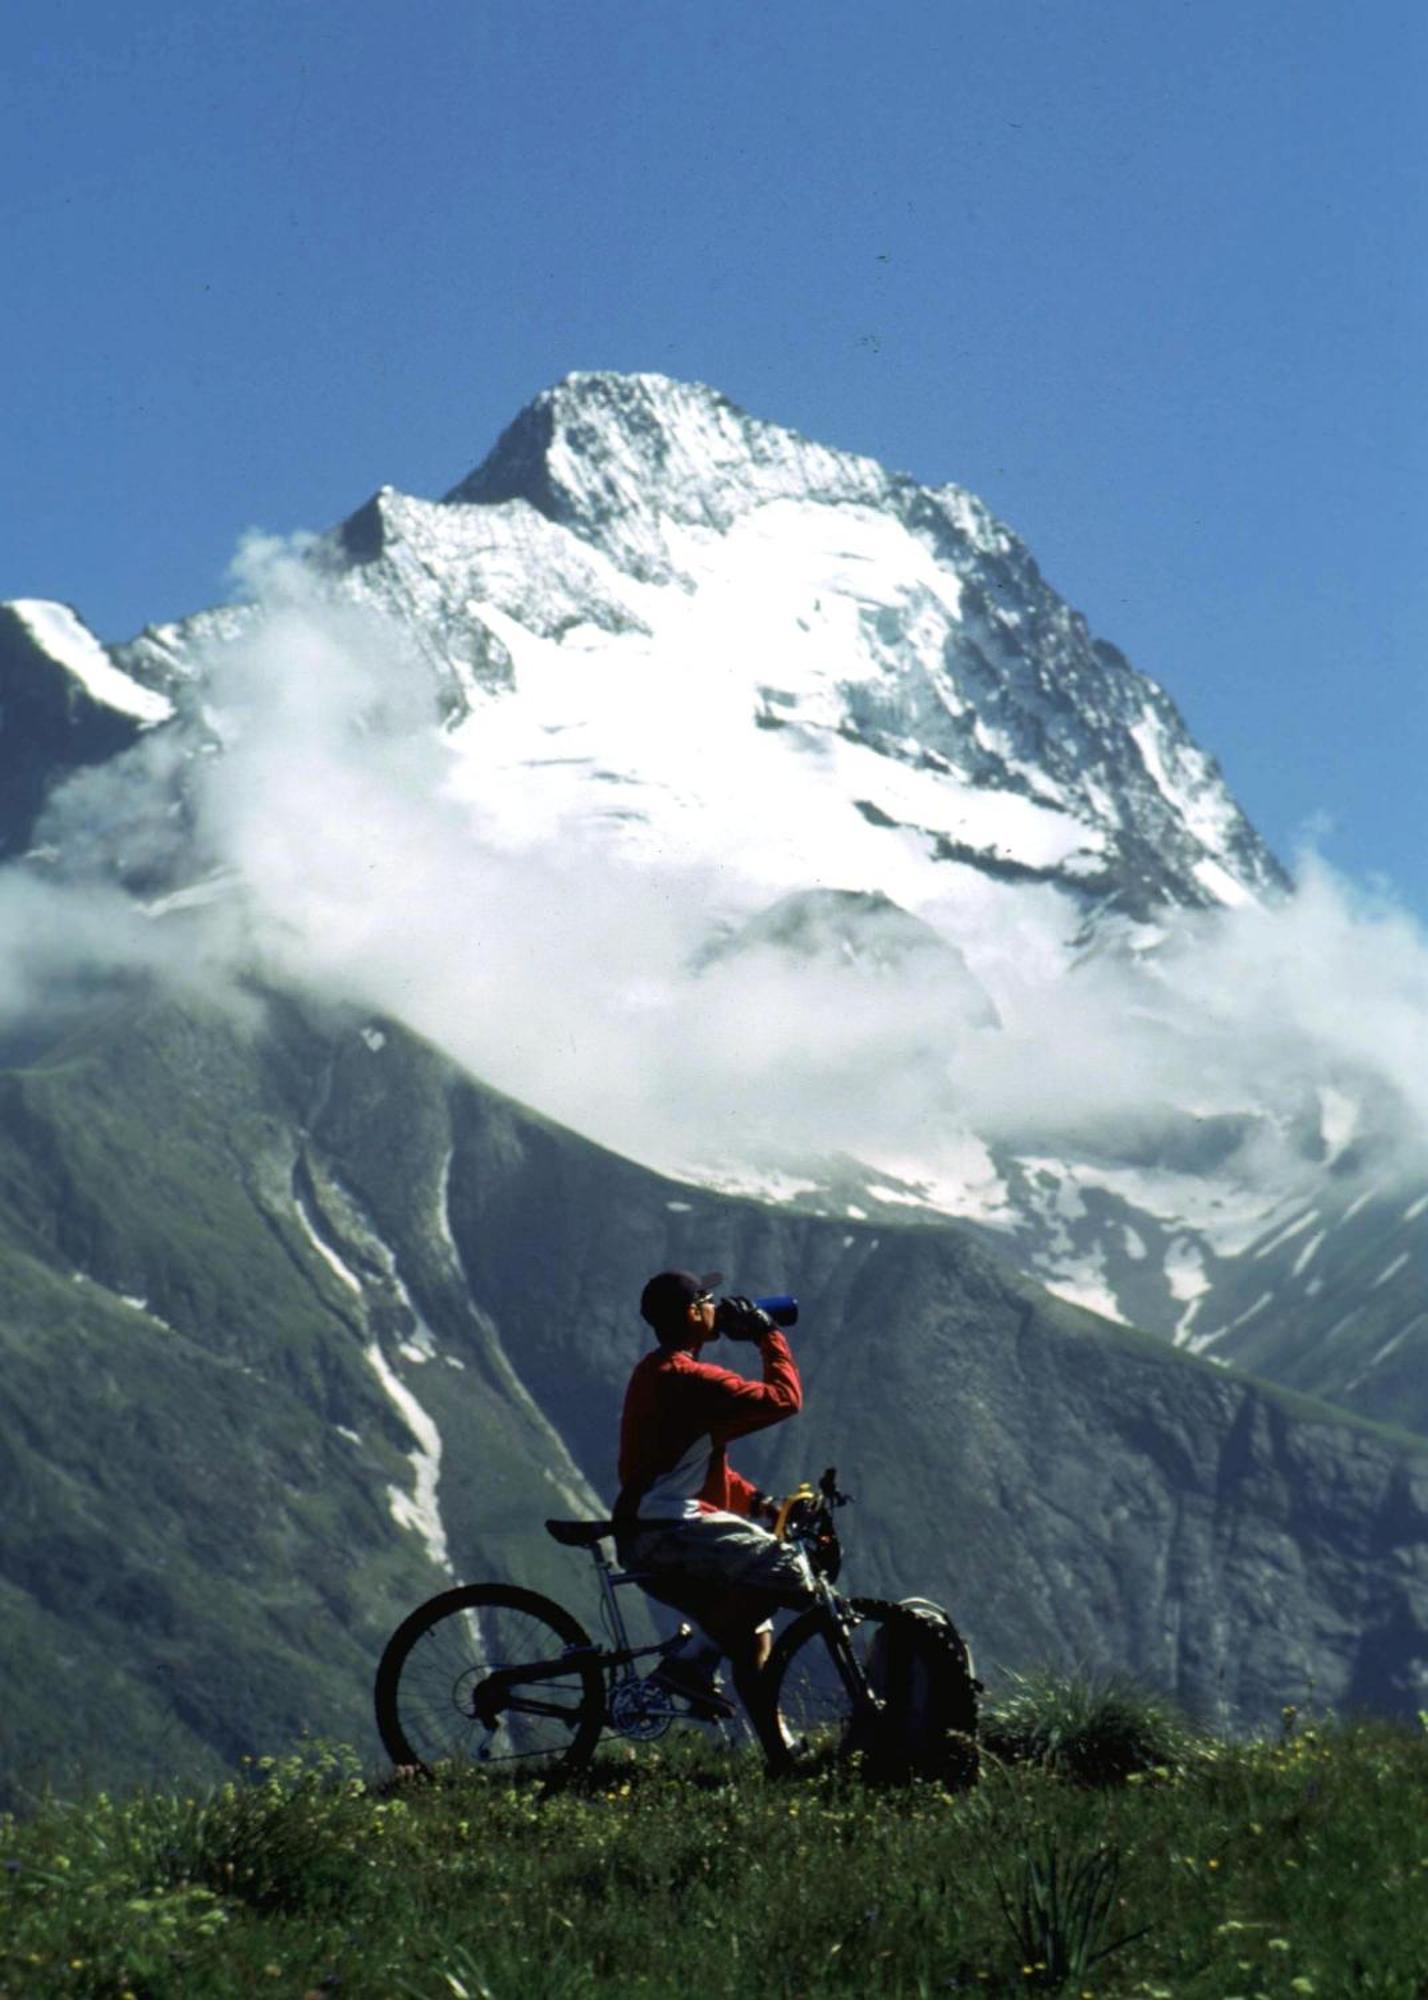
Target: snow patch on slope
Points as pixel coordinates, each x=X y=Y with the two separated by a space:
x=419 y=1509
x=57 y=630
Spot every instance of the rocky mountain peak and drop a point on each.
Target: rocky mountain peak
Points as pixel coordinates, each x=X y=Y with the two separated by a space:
x=621 y=458
x=636 y=516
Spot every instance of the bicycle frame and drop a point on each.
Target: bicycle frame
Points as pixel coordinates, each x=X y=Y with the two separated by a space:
x=643 y=1708
x=838 y=1619
x=806 y=1517
x=633 y=1709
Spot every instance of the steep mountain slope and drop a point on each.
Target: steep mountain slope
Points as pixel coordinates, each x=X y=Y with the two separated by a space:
x=1333 y=1301
x=218 y=1493
x=64 y=706
x=298 y=1320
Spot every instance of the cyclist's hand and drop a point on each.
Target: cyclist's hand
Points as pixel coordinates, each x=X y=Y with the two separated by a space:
x=741 y=1319
x=763 y=1507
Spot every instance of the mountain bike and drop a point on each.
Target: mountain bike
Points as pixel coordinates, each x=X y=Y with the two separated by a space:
x=491 y=1674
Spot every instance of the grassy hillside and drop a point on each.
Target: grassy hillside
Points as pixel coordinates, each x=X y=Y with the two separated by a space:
x=1108 y=1852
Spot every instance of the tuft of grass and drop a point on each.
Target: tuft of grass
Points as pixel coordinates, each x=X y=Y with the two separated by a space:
x=1063 y=1911
x=1095 y=1730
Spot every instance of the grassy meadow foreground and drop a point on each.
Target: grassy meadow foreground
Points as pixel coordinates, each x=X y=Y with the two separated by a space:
x=1108 y=1851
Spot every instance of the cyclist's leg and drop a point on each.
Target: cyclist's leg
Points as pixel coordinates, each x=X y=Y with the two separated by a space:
x=742 y=1626
x=738 y=1626
x=729 y=1575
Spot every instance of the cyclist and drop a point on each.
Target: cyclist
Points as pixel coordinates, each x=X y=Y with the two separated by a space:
x=685 y=1520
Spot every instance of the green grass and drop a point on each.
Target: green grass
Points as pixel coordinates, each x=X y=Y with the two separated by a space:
x=1283 y=1867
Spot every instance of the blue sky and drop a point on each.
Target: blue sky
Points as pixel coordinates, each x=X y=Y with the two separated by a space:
x=1150 y=277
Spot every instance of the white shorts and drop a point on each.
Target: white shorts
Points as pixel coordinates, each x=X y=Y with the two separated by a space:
x=694 y=1564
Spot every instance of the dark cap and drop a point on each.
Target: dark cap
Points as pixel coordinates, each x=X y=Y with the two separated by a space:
x=669 y=1294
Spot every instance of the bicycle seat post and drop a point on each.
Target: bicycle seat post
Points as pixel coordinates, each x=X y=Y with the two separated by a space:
x=609 y=1577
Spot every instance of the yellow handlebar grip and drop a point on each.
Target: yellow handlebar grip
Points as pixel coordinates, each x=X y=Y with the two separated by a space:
x=805 y=1492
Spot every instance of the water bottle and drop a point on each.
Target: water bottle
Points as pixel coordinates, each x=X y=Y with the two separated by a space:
x=782 y=1308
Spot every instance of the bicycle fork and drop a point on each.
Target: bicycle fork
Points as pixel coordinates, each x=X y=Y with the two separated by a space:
x=868 y=1706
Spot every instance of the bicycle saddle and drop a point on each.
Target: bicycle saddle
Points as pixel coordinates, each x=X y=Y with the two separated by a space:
x=580 y=1534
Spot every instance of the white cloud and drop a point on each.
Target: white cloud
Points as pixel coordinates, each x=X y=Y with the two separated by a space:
x=563 y=975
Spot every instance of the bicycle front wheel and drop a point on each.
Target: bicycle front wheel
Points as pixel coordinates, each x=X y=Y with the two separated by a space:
x=923 y=1675
x=490 y=1674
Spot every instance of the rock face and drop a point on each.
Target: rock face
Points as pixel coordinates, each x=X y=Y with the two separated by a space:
x=361 y=1324
x=1331 y=1301
x=51 y=723
x=1076 y=1492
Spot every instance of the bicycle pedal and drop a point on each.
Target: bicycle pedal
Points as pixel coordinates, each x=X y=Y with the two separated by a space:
x=706 y=1700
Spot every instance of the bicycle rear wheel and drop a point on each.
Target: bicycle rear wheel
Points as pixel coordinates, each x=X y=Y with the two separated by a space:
x=449 y=1687
x=902 y=1658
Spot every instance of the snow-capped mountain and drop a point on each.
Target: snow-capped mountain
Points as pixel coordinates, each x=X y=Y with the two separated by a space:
x=911 y=793
x=654 y=573
x=898 y=638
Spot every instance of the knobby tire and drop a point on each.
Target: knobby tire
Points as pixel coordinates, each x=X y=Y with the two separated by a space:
x=817 y=1711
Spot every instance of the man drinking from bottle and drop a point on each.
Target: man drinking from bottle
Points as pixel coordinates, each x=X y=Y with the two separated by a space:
x=685 y=1520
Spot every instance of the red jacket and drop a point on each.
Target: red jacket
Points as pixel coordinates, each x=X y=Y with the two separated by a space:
x=679 y=1416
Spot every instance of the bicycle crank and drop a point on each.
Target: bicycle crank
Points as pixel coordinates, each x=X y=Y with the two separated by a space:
x=641 y=1712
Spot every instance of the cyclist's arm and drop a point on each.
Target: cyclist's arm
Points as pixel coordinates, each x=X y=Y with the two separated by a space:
x=733 y=1406
x=746 y=1498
